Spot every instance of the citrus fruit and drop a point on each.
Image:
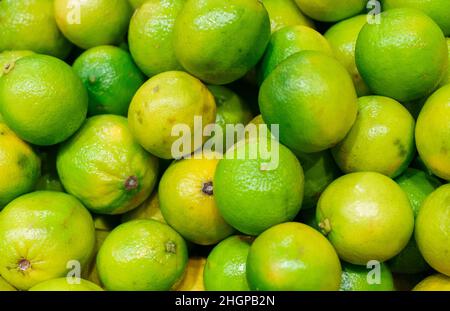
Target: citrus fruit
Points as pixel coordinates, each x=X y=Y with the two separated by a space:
x=150 y=36
x=331 y=10
x=256 y=189
x=169 y=102
x=142 y=255
x=225 y=268
x=10 y=57
x=381 y=140
x=20 y=167
x=292 y=256
x=408 y=37
x=366 y=216
x=436 y=9
x=433 y=133
x=5 y=286
x=342 y=38
x=432 y=230
x=104 y=156
x=62 y=285
x=149 y=209
x=110 y=77
x=284 y=13
x=30 y=25
x=92 y=23
x=40 y=233
x=360 y=278
x=186 y=196
x=43 y=88
x=417 y=186
x=288 y=41
x=219 y=42
x=446 y=79
x=193 y=277
x=100 y=237
x=436 y=282
x=312 y=98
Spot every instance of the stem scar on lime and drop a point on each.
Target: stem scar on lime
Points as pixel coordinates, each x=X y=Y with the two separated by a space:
x=24 y=264
x=208 y=188
x=131 y=183
x=325 y=226
x=171 y=247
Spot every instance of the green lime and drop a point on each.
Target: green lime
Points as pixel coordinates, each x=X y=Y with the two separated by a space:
x=361 y=278
x=151 y=34
x=288 y=41
x=167 y=103
x=43 y=88
x=7 y=58
x=408 y=37
x=433 y=133
x=342 y=38
x=149 y=209
x=30 y=25
x=331 y=10
x=142 y=255
x=111 y=78
x=436 y=282
x=256 y=188
x=292 y=256
x=366 y=216
x=284 y=13
x=41 y=235
x=219 y=42
x=225 y=268
x=381 y=140
x=104 y=156
x=63 y=285
x=92 y=23
x=312 y=98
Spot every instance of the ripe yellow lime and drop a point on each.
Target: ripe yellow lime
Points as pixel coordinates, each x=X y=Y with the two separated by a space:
x=361 y=278
x=193 y=276
x=284 y=13
x=172 y=98
x=63 y=285
x=7 y=58
x=150 y=36
x=149 y=209
x=92 y=23
x=435 y=282
x=331 y=10
x=293 y=256
x=366 y=216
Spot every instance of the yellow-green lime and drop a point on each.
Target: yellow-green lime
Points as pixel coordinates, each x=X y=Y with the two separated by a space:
x=366 y=216
x=94 y=22
x=446 y=79
x=284 y=13
x=149 y=209
x=171 y=99
x=43 y=101
x=219 y=42
x=142 y=255
x=111 y=78
x=386 y=50
x=312 y=98
x=7 y=58
x=435 y=282
x=63 y=285
x=293 y=256
x=362 y=278
x=104 y=156
x=150 y=36
x=331 y=10
x=193 y=276
x=40 y=233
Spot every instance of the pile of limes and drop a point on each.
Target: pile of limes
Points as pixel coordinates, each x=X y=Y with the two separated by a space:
x=224 y=145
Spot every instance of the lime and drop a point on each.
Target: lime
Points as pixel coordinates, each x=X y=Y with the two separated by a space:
x=5 y=286
x=436 y=9
x=186 y=193
x=142 y=255
x=20 y=167
x=436 y=282
x=342 y=38
x=288 y=41
x=292 y=256
x=43 y=88
x=104 y=156
x=432 y=231
x=255 y=188
x=225 y=268
x=446 y=79
x=331 y=10
x=30 y=25
x=360 y=278
x=381 y=140
x=366 y=216
x=149 y=209
x=433 y=133
x=408 y=37
x=41 y=233
x=151 y=34
x=284 y=13
x=170 y=102
x=92 y=23
x=193 y=277
x=110 y=77
x=10 y=57
x=219 y=42
x=63 y=285
x=312 y=98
